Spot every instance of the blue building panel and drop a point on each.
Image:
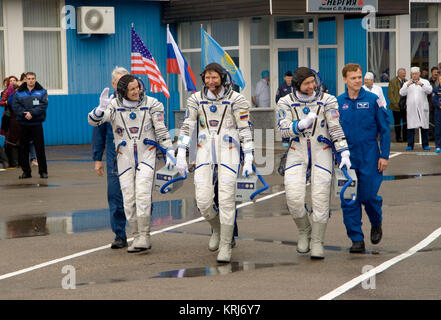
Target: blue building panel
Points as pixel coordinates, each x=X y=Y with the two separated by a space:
x=90 y=61
x=355 y=43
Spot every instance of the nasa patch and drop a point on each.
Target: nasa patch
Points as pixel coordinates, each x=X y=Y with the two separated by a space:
x=345 y=106
x=362 y=105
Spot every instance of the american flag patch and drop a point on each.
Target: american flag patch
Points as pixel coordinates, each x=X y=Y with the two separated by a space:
x=380 y=104
x=335 y=114
x=160 y=116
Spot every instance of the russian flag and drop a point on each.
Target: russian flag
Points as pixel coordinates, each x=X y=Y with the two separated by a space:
x=176 y=64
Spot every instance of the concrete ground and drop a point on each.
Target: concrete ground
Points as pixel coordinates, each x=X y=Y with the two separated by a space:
x=45 y=220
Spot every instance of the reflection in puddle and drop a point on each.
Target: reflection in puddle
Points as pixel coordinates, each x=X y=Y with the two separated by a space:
x=164 y=213
x=410 y=176
x=223 y=269
x=26 y=186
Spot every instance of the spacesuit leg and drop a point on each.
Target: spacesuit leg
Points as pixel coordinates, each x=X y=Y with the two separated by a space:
x=144 y=186
x=227 y=209
x=127 y=182
x=203 y=181
x=295 y=187
x=321 y=176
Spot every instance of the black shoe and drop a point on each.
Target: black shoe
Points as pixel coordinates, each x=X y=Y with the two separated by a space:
x=376 y=234
x=43 y=175
x=119 y=244
x=357 y=247
x=25 y=176
x=399 y=140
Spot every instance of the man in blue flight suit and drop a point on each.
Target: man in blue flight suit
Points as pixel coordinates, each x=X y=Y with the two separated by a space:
x=101 y=135
x=286 y=87
x=363 y=117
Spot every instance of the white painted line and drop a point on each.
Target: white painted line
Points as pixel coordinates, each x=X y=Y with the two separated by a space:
x=83 y=253
x=350 y=284
x=395 y=155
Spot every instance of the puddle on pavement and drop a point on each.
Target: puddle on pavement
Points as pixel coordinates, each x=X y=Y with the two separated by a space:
x=221 y=269
x=164 y=213
x=410 y=176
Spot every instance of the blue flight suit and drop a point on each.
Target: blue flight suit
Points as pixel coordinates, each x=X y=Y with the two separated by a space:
x=362 y=120
x=102 y=134
x=283 y=90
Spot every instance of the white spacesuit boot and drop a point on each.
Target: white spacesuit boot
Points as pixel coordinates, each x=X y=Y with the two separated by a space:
x=134 y=231
x=304 y=228
x=226 y=234
x=213 y=244
x=143 y=242
x=317 y=238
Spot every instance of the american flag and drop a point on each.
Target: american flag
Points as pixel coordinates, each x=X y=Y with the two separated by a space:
x=144 y=63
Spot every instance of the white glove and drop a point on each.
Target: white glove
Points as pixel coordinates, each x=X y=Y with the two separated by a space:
x=248 y=164
x=171 y=160
x=104 y=100
x=307 y=122
x=345 y=160
x=181 y=161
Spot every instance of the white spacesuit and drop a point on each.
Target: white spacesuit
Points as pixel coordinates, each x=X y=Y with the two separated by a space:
x=302 y=119
x=218 y=117
x=133 y=123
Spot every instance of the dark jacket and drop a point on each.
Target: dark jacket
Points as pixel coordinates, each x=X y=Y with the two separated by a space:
x=283 y=90
x=34 y=102
x=436 y=97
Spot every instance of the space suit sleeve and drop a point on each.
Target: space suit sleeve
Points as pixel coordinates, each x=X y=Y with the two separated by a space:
x=383 y=129
x=96 y=117
x=332 y=117
x=241 y=111
x=285 y=124
x=190 y=120
x=161 y=131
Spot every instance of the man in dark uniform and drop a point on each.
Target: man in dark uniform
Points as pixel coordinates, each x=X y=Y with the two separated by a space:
x=286 y=87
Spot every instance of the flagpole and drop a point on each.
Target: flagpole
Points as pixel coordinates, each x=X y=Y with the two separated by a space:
x=168 y=101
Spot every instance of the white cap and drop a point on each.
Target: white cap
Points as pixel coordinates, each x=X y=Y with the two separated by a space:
x=369 y=75
x=415 y=69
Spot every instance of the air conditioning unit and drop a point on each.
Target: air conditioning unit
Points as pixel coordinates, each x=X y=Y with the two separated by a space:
x=95 y=20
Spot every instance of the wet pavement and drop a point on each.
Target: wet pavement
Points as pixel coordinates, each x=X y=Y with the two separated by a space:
x=45 y=220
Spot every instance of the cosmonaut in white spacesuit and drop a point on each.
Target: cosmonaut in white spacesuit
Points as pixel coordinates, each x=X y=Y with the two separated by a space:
x=304 y=115
x=221 y=117
x=135 y=119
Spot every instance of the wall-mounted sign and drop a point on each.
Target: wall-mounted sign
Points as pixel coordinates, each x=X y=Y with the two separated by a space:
x=323 y=6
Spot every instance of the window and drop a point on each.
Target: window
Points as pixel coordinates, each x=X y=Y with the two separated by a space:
x=294 y=28
x=424 y=36
x=259 y=31
x=382 y=49
x=42 y=41
x=226 y=33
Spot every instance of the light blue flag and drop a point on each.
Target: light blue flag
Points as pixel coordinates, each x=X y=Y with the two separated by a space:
x=211 y=51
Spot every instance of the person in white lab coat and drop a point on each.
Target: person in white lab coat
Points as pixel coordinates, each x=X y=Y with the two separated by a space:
x=376 y=89
x=416 y=90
